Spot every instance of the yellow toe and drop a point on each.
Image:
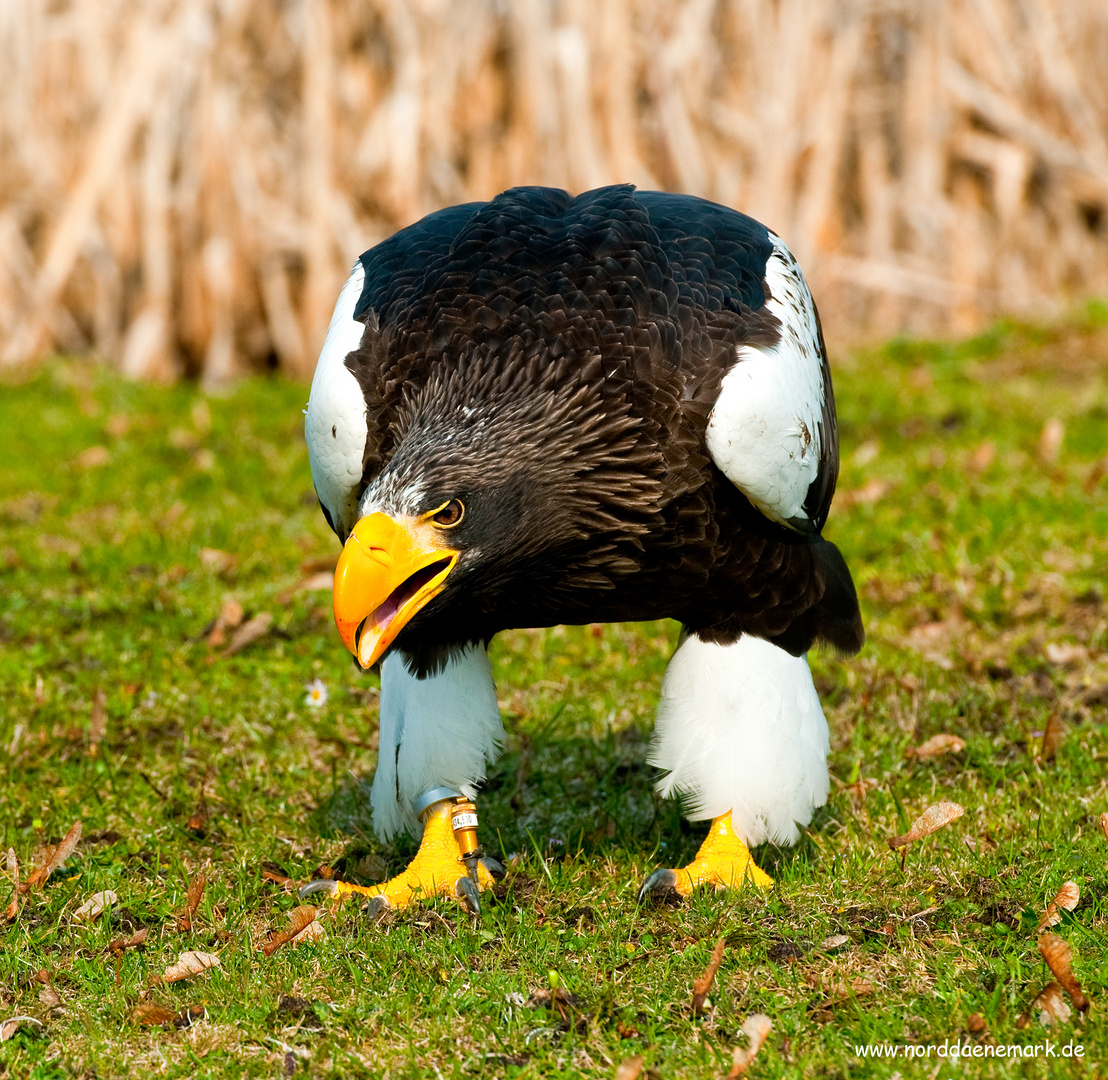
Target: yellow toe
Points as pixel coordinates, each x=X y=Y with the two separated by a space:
x=435 y=870
x=723 y=861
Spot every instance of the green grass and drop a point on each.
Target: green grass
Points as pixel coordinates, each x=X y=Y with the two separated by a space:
x=982 y=575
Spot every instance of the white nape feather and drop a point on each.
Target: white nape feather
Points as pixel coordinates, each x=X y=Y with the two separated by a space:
x=764 y=430
x=740 y=728
x=335 y=423
x=441 y=731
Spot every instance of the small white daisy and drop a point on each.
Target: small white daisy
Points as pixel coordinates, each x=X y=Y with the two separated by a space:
x=316 y=696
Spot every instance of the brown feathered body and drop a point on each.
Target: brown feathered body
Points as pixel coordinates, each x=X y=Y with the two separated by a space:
x=553 y=363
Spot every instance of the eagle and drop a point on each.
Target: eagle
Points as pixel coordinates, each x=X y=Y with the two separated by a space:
x=553 y=409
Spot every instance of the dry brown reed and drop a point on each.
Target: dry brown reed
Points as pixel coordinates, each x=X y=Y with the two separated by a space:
x=184 y=183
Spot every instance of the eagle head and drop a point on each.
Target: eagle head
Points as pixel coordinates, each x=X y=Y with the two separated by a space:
x=493 y=493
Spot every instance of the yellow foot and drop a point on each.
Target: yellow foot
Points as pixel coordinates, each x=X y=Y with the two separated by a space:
x=722 y=861
x=437 y=870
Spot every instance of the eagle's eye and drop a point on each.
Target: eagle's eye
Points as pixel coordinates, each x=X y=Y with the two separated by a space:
x=449 y=515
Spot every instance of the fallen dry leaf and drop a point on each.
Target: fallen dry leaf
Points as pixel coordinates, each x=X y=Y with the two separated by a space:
x=1051 y=1006
x=1050 y=441
x=859 y=789
x=629 y=1068
x=839 y=991
x=192 y=902
x=320 y=581
x=931 y=820
x=55 y=859
x=248 y=633
x=703 y=985
x=1053 y=737
x=1065 y=653
x=300 y=922
x=137 y=938
x=1104 y=825
x=50 y=997
x=230 y=615
x=757 y=1029
x=47 y=995
x=10 y=1026
x=936 y=745
x=98 y=721
x=1059 y=958
x=311 y=933
x=982 y=457
x=93 y=457
x=189 y=964
x=148 y=1013
x=866 y=453
x=1097 y=473
x=182 y=439
x=94 y=906
x=286 y=883
x=1065 y=900
x=198 y=819
x=215 y=561
x=872 y=491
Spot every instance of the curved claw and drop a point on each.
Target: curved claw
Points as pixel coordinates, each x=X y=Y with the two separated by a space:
x=377 y=906
x=321 y=885
x=495 y=869
x=658 y=886
x=466 y=891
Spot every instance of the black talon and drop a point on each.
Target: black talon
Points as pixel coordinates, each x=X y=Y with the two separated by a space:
x=659 y=887
x=494 y=868
x=467 y=892
x=320 y=885
x=377 y=906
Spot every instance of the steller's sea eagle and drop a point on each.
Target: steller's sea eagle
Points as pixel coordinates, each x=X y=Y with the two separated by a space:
x=551 y=409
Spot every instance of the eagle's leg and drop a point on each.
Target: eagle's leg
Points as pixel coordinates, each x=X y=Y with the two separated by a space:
x=741 y=732
x=448 y=863
x=723 y=861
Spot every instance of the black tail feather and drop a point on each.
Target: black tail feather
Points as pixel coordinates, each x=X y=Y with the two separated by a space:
x=835 y=620
x=840 y=620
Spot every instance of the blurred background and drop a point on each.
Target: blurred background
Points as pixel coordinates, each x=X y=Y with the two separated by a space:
x=184 y=184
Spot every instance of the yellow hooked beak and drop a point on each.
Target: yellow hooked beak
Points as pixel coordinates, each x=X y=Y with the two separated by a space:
x=388 y=570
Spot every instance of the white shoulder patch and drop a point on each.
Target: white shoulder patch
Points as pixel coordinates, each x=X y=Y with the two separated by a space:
x=764 y=430
x=740 y=728
x=334 y=422
x=441 y=731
